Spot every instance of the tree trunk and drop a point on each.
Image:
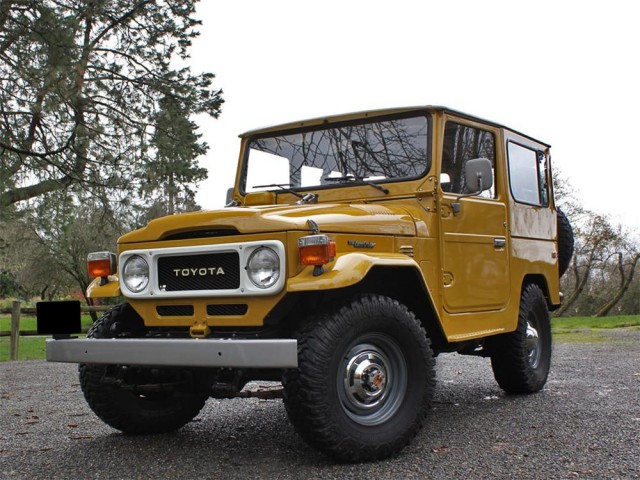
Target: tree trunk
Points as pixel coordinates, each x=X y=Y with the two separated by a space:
x=52 y=293
x=90 y=302
x=625 y=282
x=581 y=282
x=171 y=209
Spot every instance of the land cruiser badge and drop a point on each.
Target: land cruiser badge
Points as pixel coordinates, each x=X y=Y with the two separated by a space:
x=358 y=244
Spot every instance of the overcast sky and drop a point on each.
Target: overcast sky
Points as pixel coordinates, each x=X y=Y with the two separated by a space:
x=566 y=73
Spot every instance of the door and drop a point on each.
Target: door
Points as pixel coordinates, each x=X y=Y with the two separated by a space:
x=474 y=245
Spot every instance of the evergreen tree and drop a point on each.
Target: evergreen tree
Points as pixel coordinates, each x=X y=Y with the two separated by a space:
x=81 y=82
x=172 y=170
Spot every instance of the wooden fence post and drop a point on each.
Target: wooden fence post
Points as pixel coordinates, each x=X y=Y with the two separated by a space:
x=15 y=330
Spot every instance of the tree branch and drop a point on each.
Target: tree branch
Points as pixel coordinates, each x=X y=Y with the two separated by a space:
x=25 y=193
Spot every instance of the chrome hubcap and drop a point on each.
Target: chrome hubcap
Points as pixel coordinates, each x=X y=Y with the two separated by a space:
x=533 y=345
x=372 y=379
x=366 y=378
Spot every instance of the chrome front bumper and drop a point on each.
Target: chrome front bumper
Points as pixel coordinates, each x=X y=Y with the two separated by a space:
x=274 y=353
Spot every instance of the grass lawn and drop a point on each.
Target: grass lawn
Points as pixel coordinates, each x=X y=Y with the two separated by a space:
x=30 y=347
x=590 y=329
x=580 y=323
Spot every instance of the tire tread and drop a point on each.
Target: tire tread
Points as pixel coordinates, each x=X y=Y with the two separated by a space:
x=509 y=359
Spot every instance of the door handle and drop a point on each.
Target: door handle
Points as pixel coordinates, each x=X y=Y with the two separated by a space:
x=499 y=242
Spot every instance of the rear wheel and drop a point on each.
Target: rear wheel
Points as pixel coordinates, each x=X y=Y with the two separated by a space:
x=364 y=381
x=138 y=400
x=521 y=359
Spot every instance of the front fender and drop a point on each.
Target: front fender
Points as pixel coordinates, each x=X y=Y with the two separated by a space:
x=346 y=270
x=109 y=289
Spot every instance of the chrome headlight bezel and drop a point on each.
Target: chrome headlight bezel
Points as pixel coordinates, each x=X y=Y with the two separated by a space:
x=263 y=261
x=140 y=270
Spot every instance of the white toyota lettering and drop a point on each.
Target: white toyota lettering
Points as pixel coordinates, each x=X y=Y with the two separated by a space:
x=201 y=272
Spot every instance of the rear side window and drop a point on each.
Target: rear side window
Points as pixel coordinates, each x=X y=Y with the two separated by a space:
x=528 y=174
x=461 y=144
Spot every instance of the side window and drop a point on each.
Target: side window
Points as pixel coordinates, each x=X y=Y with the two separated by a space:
x=463 y=143
x=528 y=175
x=543 y=178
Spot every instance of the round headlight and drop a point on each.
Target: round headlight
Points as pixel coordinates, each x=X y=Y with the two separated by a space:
x=135 y=273
x=263 y=267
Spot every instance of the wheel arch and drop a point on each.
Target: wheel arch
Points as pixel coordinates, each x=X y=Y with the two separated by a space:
x=407 y=286
x=541 y=281
x=404 y=283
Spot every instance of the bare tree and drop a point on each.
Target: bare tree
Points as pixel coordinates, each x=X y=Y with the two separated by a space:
x=625 y=278
x=592 y=242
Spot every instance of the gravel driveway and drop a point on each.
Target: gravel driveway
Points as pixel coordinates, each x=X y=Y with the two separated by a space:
x=585 y=424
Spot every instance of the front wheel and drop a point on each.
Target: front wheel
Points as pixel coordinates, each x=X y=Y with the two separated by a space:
x=521 y=359
x=138 y=400
x=364 y=381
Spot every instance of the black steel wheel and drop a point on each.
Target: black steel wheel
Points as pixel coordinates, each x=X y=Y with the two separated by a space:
x=138 y=400
x=364 y=382
x=521 y=359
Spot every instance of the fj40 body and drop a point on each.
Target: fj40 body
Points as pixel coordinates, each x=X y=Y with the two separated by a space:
x=353 y=250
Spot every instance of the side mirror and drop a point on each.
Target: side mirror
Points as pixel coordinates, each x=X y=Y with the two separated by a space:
x=478 y=177
x=230 y=201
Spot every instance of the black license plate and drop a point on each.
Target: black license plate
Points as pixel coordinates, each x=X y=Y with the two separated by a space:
x=58 y=318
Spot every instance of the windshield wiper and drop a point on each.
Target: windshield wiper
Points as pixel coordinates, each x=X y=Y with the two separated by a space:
x=281 y=186
x=356 y=180
x=306 y=198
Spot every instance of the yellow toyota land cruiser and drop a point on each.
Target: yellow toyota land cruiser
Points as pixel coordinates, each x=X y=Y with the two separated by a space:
x=352 y=251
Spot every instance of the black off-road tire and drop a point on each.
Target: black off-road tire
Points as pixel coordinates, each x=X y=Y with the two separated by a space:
x=565 y=242
x=110 y=389
x=364 y=382
x=521 y=359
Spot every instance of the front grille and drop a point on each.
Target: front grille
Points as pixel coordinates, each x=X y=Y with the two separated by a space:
x=175 y=310
x=224 y=310
x=203 y=271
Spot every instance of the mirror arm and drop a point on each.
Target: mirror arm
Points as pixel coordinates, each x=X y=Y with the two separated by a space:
x=455 y=206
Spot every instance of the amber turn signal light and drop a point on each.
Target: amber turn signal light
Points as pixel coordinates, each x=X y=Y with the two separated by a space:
x=101 y=264
x=316 y=250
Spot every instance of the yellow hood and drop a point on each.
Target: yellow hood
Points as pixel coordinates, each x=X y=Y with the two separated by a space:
x=331 y=218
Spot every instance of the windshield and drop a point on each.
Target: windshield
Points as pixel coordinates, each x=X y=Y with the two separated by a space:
x=370 y=151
